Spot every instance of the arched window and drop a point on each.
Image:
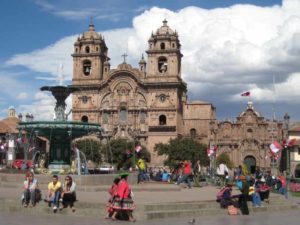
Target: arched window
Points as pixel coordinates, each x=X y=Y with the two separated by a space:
x=162 y=45
x=87 y=67
x=97 y=49
x=173 y=45
x=123 y=113
x=162 y=64
x=162 y=120
x=193 y=133
x=87 y=49
x=85 y=119
x=76 y=49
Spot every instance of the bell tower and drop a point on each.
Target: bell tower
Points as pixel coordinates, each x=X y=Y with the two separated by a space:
x=164 y=56
x=89 y=57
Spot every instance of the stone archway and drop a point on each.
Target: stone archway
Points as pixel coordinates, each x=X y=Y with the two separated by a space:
x=250 y=161
x=297 y=171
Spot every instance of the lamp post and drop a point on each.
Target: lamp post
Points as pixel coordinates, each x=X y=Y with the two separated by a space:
x=213 y=140
x=287 y=150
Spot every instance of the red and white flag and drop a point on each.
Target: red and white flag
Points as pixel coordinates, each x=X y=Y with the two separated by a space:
x=275 y=147
x=289 y=142
x=138 y=148
x=246 y=93
x=211 y=151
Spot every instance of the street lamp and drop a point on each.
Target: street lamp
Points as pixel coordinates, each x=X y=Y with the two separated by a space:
x=286 y=136
x=213 y=129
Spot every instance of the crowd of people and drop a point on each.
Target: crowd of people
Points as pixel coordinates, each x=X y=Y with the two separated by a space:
x=254 y=188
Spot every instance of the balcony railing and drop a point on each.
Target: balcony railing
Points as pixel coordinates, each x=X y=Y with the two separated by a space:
x=162 y=129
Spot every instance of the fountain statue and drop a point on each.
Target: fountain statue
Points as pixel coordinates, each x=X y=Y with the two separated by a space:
x=60 y=132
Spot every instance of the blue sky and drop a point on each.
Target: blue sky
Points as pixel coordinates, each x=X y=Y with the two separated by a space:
x=229 y=47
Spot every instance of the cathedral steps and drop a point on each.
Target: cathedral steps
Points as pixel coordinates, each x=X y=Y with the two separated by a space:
x=147 y=211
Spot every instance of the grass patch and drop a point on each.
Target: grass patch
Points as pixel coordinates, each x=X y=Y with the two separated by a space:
x=296 y=194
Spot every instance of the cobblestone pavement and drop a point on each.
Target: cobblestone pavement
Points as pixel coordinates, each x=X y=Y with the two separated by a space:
x=278 y=218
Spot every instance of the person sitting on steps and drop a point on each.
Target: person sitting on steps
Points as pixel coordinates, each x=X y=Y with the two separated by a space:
x=68 y=194
x=30 y=186
x=54 y=190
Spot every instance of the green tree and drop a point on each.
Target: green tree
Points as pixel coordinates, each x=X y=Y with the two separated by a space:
x=178 y=150
x=224 y=158
x=91 y=148
x=124 y=155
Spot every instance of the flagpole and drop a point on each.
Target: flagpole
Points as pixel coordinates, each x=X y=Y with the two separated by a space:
x=273 y=121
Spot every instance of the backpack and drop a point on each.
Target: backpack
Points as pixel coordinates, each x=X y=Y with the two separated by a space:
x=220 y=193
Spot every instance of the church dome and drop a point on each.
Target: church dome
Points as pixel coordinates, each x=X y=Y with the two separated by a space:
x=91 y=33
x=164 y=29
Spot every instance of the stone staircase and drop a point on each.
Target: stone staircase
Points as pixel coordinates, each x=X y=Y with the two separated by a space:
x=147 y=211
x=154 y=200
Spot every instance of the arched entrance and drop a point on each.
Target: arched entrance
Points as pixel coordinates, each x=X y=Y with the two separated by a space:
x=297 y=171
x=250 y=161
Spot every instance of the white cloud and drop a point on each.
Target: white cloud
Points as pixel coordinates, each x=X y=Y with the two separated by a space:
x=43 y=106
x=47 y=60
x=22 y=96
x=228 y=50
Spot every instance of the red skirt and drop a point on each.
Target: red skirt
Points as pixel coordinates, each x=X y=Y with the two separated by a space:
x=126 y=204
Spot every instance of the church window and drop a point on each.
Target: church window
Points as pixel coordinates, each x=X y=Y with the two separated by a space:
x=173 y=45
x=87 y=67
x=142 y=116
x=84 y=99
x=162 y=98
x=87 y=49
x=193 y=133
x=249 y=133
x=105 y=70
x=76 y=49
x=123 y=113
x=162 y=45
x=162 y=64
x=97 y=49
x=85 y=119
x=105 y=117
x=162 y=120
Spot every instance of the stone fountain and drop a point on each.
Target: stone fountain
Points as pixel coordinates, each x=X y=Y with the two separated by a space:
x=60 y=133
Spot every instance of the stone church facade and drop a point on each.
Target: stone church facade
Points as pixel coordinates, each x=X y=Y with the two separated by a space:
x=147 y=104
x=248 y=138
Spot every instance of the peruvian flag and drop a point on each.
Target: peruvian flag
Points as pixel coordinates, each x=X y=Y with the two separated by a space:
x=246 y=93
x=289 y=142
x=275 y=147
x=138 y=148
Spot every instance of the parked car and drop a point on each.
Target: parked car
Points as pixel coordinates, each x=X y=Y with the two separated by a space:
x=106 y=168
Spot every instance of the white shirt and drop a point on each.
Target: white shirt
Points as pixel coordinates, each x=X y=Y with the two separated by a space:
x=221 y=169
